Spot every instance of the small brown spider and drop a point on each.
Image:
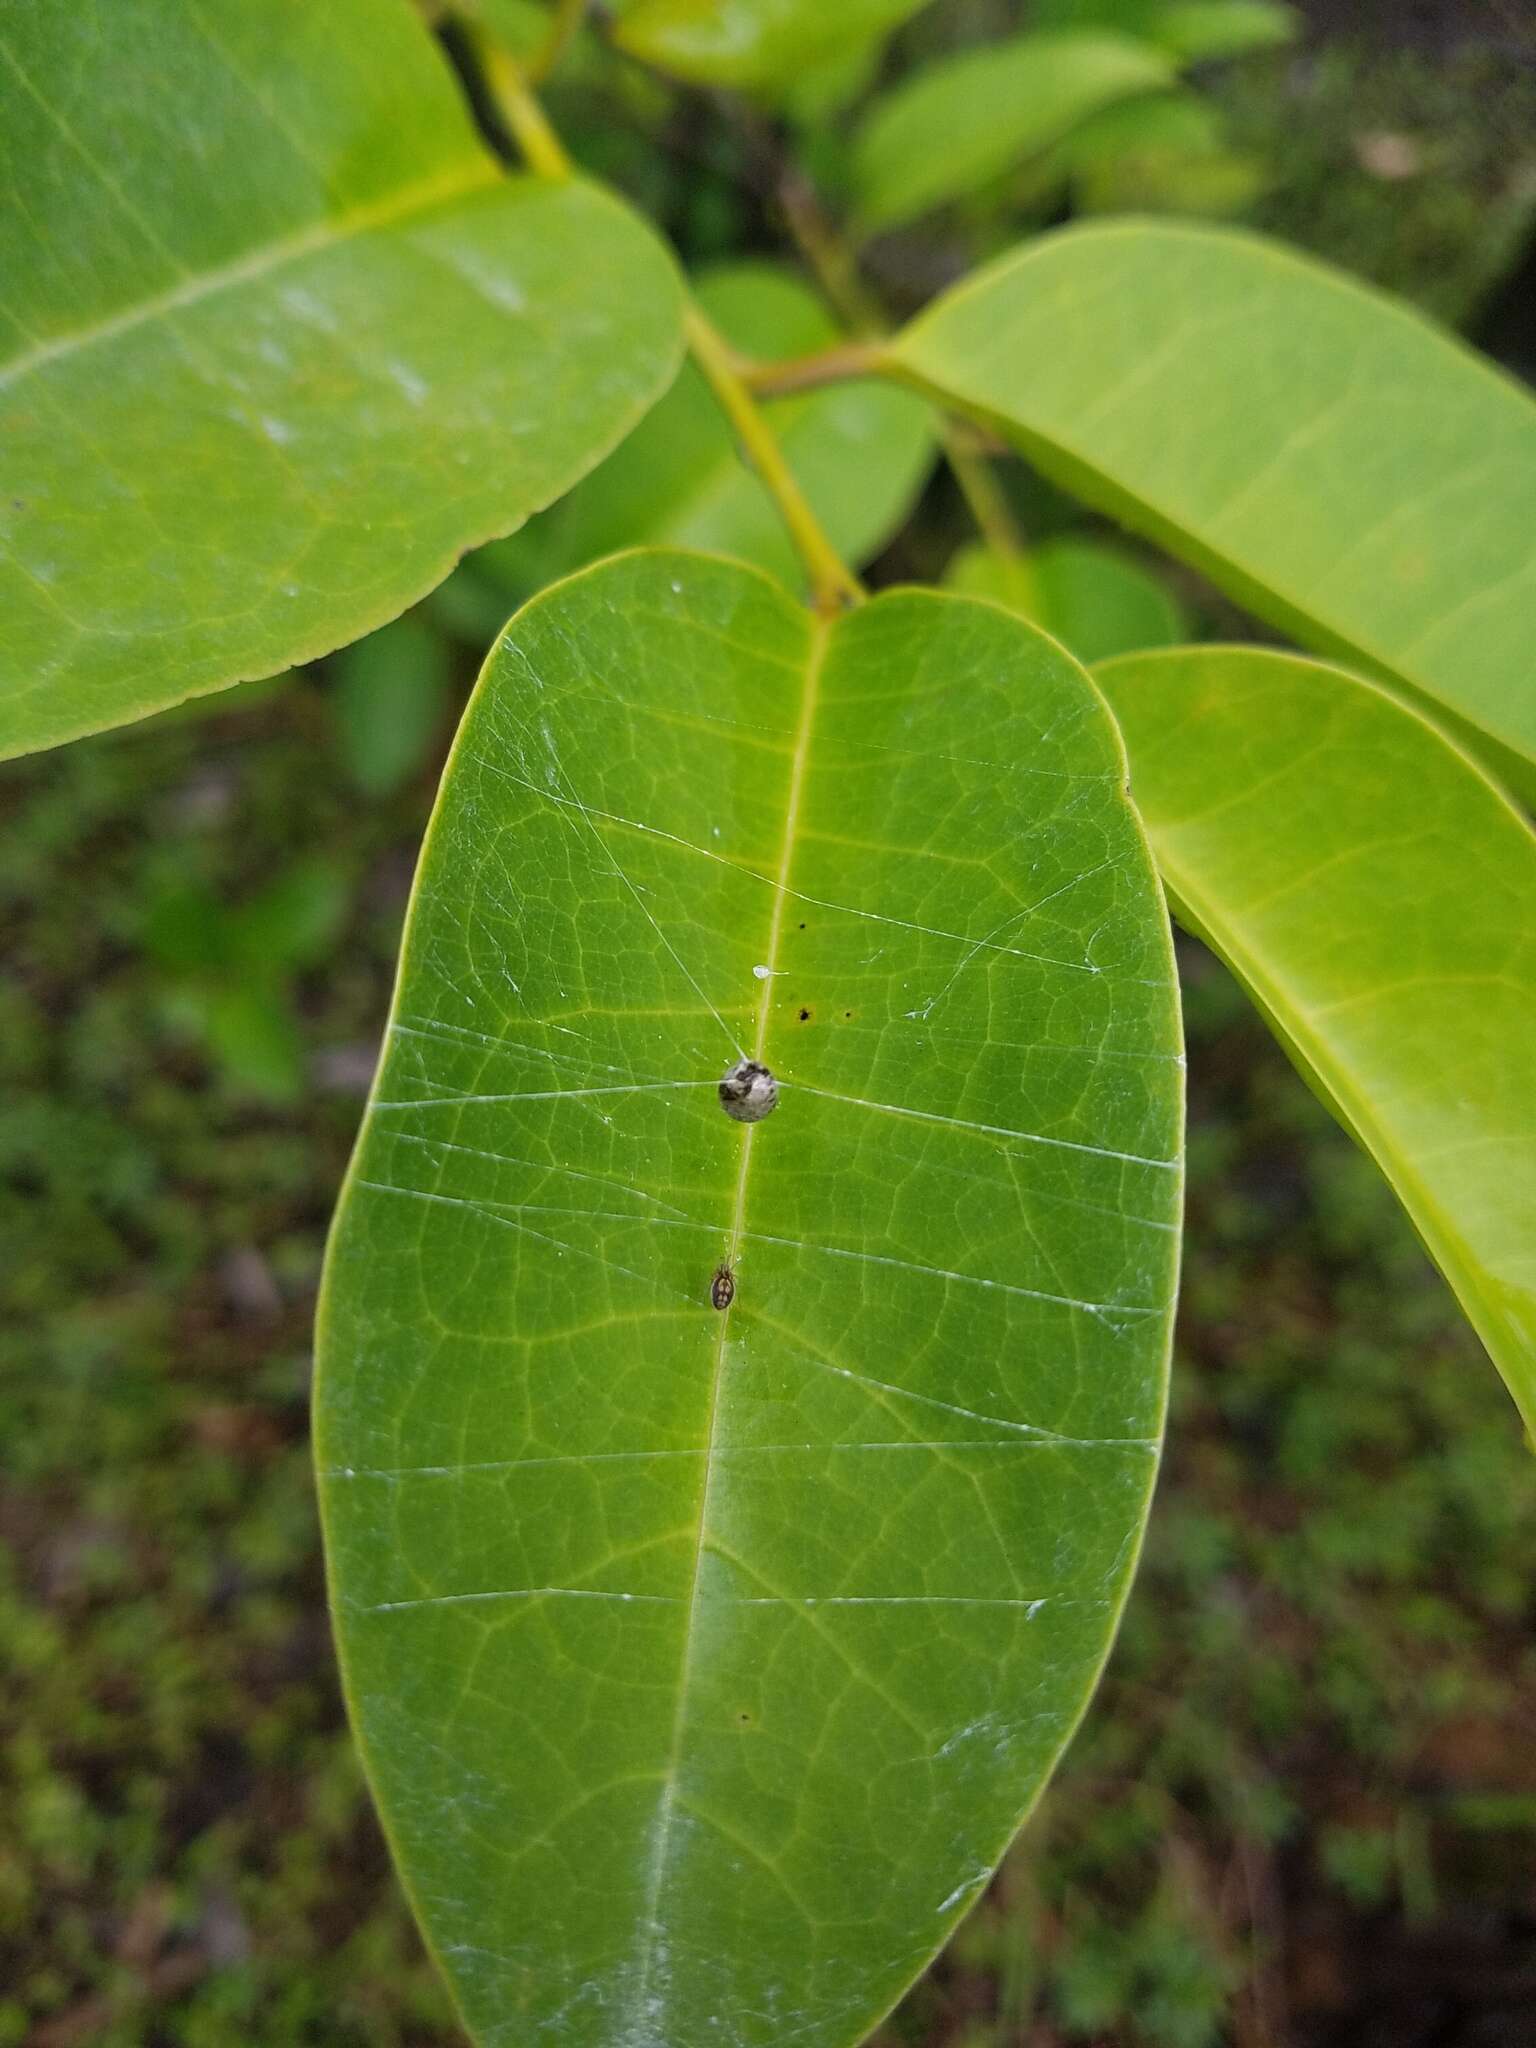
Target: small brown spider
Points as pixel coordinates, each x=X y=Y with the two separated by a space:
x=722 y=1288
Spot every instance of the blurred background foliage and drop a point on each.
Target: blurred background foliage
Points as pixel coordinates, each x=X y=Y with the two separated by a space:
x=1303 y=1810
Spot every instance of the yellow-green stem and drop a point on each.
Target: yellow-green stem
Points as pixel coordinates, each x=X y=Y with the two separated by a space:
x=542 y=150
x=835 y=264
x=806 y=373
x=833 y=583
x=983 y=494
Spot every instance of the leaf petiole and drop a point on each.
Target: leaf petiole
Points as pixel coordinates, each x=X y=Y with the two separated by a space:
x=526 y=121
x=833 y=583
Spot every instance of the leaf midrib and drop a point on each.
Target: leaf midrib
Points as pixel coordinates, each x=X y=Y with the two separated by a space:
x=820 y=634
x=269 y=258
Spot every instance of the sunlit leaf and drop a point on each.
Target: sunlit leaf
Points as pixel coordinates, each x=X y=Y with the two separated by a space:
x=1199 y=31
x=751 y=42
x=956 y=124
x=1377 y=895
x=1334 y=461
x=278 y=341
x=859 y=452
x=705 y=1661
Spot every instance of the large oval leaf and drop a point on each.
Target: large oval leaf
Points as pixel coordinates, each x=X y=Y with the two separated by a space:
x=1338 y=464
x=705 y=1661
x=278 y=342
x=1377 y=894
x=859 y=451
x=957 y=123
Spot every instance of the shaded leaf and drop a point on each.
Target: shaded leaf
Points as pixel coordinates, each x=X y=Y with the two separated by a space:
x=1323 y=453
x=859 y=452
x=1194 y=30
x=1376 y=893
x=1165 y=153
x=187 y=929
x=278 y=342
x=704 y=1662
x=253 y=1035
x=960 y=122
x=390 y=699
x=1092 y=597
x=292 y=922
x=813 y=98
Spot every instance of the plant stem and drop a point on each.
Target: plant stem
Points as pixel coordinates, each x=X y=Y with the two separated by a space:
x=806 y=373
x=984 y=495
x=832 y=260
x=542 y=150
x=833 y=583
x=568 y=17
x=835 y=265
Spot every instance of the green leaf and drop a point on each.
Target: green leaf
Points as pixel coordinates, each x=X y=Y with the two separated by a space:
x=1195 y=30
x=522 y=27
x=812 y=99
x=1200 y=31
x=751 y=42
x=188 y=930
x=705 y=1662
x=279 y=341
x=1165 y=153
x=859 y=452
x=962 y=121
x=1091 y=597
x=254 y=1036
x=1376 y=893
x=391 y=697
x=1323 y=453
x=292 y=924
x=1181 y=123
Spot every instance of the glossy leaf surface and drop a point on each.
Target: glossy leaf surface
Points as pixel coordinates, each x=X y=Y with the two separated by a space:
x=705 y=1662
x=958 y=123
x=1330 y=458
x=1091 y=597
x=859 y=451
x=1377 y=895
x=751 y=42
x=277 y=341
